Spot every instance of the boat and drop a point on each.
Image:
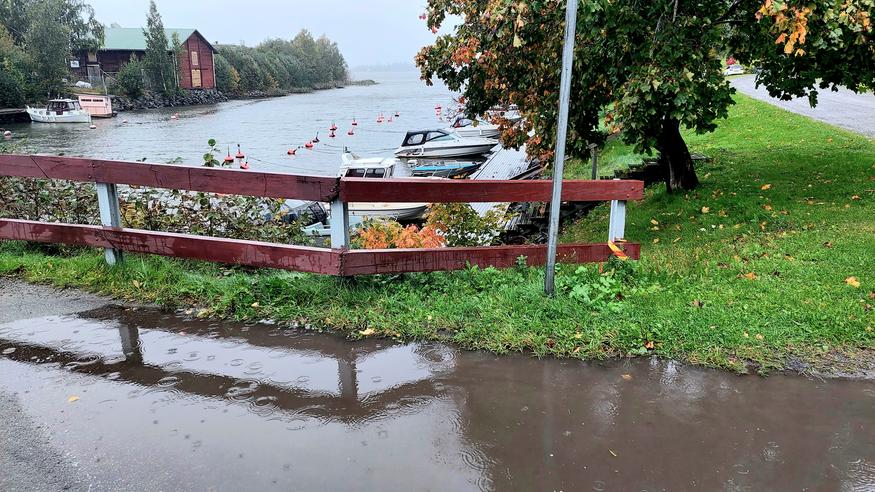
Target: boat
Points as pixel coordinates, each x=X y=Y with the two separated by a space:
x=431 y=168
x=510 y=113
x=465 y=127
x=443 y=143
x=97 y=106
x=60 y=111
x=353 y=166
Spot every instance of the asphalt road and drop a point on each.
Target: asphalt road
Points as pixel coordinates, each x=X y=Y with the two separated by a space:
x=845 y=109
x=29 y=460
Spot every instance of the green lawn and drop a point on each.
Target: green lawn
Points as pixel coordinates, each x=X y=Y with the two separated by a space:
x=758 y=267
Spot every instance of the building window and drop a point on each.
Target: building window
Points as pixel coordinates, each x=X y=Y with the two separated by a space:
x=92 y=57
x=194 y=59
x=196 y=78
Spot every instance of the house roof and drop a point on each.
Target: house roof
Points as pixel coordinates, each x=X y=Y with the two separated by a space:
x=132 y=38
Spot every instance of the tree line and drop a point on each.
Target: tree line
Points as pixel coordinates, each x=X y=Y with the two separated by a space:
x=279 y=65
x=36 y=40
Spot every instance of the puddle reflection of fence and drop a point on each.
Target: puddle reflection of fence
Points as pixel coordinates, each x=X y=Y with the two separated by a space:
x=355 y=398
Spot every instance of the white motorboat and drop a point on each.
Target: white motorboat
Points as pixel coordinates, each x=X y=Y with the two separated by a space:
x=464 y=127
x=510 y=113
x=379 y=168
x=443 y=143
x=60 y=111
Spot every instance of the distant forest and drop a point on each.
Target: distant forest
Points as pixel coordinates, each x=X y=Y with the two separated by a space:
x=278 y=65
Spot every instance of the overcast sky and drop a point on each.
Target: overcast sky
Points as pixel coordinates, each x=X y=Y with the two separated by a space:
x=368 y=31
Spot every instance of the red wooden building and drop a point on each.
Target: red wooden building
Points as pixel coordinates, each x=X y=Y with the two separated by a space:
x=196 y=69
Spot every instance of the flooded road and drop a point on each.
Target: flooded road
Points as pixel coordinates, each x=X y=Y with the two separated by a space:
x=142 y=400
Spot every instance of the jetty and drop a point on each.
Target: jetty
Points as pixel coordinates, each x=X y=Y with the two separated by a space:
x=13 y=115
x=505 y=164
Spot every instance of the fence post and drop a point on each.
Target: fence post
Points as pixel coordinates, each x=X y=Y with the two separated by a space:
x=617 y=226
x=339 y=224
x=594 y=155
x=107 y=200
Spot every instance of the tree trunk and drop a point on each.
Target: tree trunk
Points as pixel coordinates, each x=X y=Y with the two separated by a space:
x=675 y=159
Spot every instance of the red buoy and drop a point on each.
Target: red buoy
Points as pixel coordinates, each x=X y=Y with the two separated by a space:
x=228 y=158
x=240 y=153
x=351 y=132
x=308 y=145
x=354 y=122
x=244 y=165
x=331 y=135
x=316 y=140
x=397 y=114
x=292 y=151
x=333 y=127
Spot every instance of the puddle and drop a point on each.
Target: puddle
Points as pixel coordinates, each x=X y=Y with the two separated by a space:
x=167 y=403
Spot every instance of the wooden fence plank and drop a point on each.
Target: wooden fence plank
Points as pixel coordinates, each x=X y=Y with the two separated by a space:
x=216 y=180
x=366 y=262
x=232 y=251
x=402 y=190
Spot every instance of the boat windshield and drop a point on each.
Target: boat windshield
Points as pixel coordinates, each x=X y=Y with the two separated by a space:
x=365 y=173
x=438 y=137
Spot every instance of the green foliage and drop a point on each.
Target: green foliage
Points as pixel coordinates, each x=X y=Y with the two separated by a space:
x=227 y=78
x=13 y=63
x=277 y=64
x=210 y=156
x=655 y=66
x=130 y=78
x=160 y=60
x=461 y=225
x=48 y=45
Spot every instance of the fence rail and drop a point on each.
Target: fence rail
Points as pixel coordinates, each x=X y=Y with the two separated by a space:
x=339 y=260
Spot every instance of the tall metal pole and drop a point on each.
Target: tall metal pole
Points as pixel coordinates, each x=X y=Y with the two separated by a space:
x=561 y=135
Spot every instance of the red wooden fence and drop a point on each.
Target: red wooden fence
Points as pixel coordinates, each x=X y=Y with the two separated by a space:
x=336 y=261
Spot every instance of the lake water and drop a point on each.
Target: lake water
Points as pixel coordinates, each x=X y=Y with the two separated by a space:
x=266 y=128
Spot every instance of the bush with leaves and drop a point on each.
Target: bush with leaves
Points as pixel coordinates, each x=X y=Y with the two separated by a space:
x=386 y=234
x=130 y=78
x=461 y=225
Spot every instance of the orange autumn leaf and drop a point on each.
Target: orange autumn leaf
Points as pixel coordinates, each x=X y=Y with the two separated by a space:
x=749 y=276
x=853 y=282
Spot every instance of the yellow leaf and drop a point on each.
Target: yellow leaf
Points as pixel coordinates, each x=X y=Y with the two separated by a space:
x=759 y=337
x=750 y=276
x=656 y=241
x=767 y=207
x=256 y=305
x=766 y=187
x=654 y=222
x=855 y=197
x=72 y=399
x=517 y=42
x=853 y=282
x=368 y=332
x=136 y=284
x=627 y=377
x=705 y=210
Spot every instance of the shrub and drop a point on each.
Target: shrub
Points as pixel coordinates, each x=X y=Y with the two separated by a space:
x=385 y=234
x=461 y=225
x=130 y=78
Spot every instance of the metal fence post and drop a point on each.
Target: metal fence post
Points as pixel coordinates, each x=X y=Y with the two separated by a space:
x=107 y=200
x=561 y=135
x=617 y=226
x=339 y=224
x=594 y=155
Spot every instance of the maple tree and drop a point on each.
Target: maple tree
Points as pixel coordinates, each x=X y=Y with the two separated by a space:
x=646 y=69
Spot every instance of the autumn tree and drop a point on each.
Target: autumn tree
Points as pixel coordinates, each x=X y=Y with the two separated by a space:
x=645 y=68
x=160 y=59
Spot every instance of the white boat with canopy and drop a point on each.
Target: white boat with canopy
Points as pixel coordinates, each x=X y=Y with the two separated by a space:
x=443 y=143
x=60 y=111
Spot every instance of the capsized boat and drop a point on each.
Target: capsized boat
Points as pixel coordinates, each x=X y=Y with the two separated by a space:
x=465 y=127
x=60 y=111
x=443 y=143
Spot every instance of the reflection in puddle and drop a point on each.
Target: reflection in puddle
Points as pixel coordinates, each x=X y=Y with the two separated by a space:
x=219 y=405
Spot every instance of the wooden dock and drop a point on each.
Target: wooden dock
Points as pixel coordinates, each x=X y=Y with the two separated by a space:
x=13 y=116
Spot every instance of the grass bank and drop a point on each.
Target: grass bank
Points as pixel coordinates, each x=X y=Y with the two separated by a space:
x=770 y=264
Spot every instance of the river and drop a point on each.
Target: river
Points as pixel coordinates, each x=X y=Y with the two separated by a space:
x=266 y=128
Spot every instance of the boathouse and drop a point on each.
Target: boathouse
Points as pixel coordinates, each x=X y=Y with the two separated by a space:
x=196 y=69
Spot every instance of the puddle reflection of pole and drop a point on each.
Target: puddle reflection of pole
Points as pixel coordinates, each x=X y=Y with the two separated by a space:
x=130 y=336
x=347 y=377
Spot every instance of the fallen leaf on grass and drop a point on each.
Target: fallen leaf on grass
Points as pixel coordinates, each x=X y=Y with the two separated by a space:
x=649 y=345
x=749 y=276
x=853 y=282
x=766 y=187
x=697 y=303
x=872 y=295
x=73 y=399
x=656 y=241
x=136 y=283
x=855 y=197
x=705 y=210
x=654 y=221
x=256 y=305
x=768 y=207
x=368 y=332
x=828 y=244
x=627 y=377
x=759 y=337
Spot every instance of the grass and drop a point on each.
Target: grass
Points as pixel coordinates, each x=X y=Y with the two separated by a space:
x=615 y=156
x=751 y=270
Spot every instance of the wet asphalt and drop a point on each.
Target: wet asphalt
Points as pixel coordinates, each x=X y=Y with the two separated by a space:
x=95 y=396
x=844 y=108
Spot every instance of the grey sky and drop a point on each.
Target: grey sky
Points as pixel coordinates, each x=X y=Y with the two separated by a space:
x=367 y=31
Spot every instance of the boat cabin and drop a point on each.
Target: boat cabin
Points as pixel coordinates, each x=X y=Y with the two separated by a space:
x=61 y=106
x=372 y=168
x=97 y=106
x=418 y=138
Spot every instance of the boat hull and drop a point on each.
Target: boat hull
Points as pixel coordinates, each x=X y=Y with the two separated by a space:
x=43 y=116
x=439 y=152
